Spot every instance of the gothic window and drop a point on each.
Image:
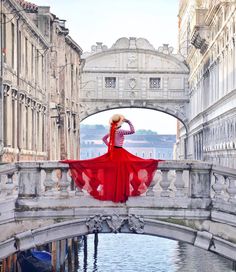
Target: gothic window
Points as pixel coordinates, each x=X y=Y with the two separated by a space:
x=154 y=82
x=6 y=109
x=14 y=96
x=110 y=82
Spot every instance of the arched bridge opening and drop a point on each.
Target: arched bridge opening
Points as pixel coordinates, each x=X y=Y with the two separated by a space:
x=131 y=224
x=133 y=74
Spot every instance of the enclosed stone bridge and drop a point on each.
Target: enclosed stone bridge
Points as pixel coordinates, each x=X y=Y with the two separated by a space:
x=133 y=74
x=188 y=201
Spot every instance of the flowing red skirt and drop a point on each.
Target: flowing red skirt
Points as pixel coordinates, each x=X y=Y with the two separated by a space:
x=113 y=176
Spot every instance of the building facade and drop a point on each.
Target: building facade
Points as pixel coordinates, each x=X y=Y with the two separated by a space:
x=142 y=145
x=207 y=40
x=39 y=105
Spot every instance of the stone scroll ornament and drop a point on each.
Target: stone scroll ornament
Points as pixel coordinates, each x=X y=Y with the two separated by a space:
x=115 y=222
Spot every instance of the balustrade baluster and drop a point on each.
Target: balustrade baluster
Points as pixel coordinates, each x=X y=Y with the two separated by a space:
x=231 y=190
x=150 y=191
x=10 y=186
x=165 y=183
x=64 y=183
x=49 y=183
x=179 y=183
x=219 y=186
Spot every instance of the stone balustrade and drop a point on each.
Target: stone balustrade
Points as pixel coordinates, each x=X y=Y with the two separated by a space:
x=174 y=179
x=185 y=183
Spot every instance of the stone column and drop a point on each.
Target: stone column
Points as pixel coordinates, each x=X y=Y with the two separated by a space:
x=29 y=179
x=200 y=181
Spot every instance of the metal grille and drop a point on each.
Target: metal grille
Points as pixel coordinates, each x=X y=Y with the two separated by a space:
x=155 y=82
x=110 y=82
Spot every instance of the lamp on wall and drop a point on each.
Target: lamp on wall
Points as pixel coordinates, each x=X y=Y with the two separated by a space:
x=58 y=111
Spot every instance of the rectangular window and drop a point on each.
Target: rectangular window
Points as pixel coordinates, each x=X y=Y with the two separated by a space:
x=26 y=57
x=43 y=130
x=154 y=82
x=33 y=124
x=13 y=122
x=74 y=121
x=42 y=72
x=12 y=45
x=72 y=80
x=110 y=82
x=32 y=61
x=4 y=37
x=5 y=110
x=37 y=66
x=19 y=51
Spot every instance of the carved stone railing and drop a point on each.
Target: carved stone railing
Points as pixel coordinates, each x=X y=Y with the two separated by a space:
x=8 y=180
x=173 y=180
x=223 y=189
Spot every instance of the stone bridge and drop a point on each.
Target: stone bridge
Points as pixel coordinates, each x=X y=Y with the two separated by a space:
x=133 y=74
x=188 y=201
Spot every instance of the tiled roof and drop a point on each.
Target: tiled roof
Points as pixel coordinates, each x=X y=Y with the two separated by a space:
x=27 y=6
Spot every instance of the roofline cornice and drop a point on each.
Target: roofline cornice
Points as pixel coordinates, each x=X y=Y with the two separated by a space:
x=23 y=15
x=73 y=44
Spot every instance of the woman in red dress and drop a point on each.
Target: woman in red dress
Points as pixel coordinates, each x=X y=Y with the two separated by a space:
x=117 y=174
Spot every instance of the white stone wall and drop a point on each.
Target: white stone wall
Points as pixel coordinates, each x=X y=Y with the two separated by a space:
x=212 y=83
x=132 y=73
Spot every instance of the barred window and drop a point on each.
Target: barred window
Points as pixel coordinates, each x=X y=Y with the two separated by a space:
x=110 y=82
x=154 y=82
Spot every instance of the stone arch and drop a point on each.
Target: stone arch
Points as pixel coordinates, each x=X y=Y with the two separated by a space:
x=177 y=111
x=134 y=64
x=114 y=224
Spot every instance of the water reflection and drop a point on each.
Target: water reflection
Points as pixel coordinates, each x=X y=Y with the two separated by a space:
x=140 y=253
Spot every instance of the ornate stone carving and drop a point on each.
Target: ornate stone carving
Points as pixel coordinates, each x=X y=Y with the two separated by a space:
x=136 y=223
x=132 y=60
x=132 y=83
x=115 y=222
x=165 y=49
x=94 y=223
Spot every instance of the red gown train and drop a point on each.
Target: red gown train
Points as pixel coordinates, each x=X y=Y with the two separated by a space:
x=113 y=176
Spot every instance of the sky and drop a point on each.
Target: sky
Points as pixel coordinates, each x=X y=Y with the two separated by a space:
x=91 y=21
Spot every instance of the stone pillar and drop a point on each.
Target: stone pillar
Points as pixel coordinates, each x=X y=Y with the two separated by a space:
x=200 y=180
x=29 y=179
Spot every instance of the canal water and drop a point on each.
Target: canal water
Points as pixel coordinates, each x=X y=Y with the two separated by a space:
x=141 y=253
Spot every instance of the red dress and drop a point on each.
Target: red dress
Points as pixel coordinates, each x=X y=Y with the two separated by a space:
x=115 y=175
